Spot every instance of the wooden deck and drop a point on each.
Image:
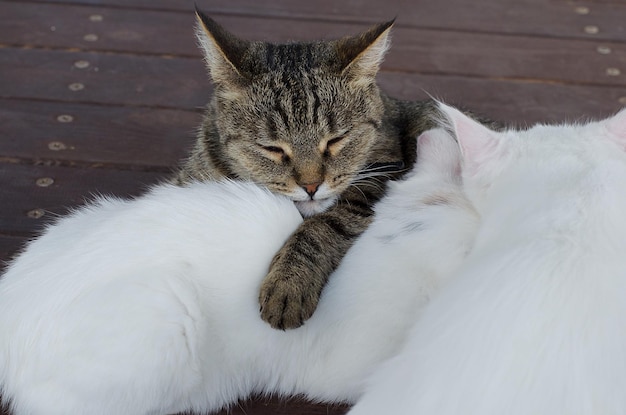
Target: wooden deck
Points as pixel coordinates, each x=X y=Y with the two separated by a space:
x=103 y=96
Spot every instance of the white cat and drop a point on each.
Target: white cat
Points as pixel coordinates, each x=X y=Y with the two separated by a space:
x=149 y=306
x=535 y=320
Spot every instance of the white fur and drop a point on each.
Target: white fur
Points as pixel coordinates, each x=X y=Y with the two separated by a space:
x=149 y=306
x=534 y=322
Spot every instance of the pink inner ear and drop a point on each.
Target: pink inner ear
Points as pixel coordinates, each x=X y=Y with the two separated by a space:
x=477 y=142
x=617 y=126
x=424 y=144
x=438 y=151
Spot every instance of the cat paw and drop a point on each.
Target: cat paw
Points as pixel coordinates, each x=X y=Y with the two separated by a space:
x=285 y=304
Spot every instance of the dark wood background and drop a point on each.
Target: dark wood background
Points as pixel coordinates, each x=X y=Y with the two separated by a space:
x=103 y=96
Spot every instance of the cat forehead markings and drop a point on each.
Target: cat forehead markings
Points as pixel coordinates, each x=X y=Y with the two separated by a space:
x=295 y=57
x=301 y=111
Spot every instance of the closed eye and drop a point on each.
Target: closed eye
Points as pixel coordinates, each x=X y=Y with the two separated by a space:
x=335 y=140
x=274 y=149
x=276 y=153
x=334 y=145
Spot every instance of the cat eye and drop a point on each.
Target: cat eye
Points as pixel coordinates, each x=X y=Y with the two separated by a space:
x=276 y=152
x=274 y=149
x=332 y=143
x=335 y=140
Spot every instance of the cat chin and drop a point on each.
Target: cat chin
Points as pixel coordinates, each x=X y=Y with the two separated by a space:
x=312 y=207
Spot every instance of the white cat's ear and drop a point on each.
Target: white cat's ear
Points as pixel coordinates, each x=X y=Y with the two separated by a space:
x=617 y=127
x=223 y=52
x=477 y=142
x=438 y=152
x=361 y=56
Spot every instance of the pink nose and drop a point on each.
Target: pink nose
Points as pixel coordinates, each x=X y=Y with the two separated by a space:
x=311 y=188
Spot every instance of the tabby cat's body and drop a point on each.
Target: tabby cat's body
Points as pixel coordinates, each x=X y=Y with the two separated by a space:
x=308 y=121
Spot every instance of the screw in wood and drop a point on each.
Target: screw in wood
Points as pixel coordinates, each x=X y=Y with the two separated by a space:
x=56 y=146
x=35 y=213
x=44 y=181
x=581 y=10
x=76 y=86
x=96 y=18
x=613 y=72
x=81 y=64
x=592 y=30
x=65 y=118
x=604 y=50
x=91 y=37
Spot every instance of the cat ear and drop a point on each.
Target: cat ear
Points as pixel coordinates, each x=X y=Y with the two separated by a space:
x=617 y=127
x=223 y=52
x=477 y=142
x=360 y=56
x=438 y=152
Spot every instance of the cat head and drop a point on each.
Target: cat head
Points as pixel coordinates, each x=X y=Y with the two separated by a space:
x=298 y=118
x=543 y=158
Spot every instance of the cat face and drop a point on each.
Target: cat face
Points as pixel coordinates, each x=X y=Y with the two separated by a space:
x=297 y=118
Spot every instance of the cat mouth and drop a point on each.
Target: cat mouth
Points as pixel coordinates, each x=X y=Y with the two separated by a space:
x=312 y=207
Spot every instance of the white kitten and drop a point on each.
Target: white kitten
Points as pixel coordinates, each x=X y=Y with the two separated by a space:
x=150 y=306
x=535 y=321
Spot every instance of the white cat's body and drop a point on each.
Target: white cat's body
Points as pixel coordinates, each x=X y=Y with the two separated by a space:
x=150 y=306
x=535 y=320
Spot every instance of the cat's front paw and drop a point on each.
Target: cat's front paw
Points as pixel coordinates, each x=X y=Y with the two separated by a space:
x=286 y=300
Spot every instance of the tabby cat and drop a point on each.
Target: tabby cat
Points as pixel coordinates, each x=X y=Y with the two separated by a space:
x=308 y=121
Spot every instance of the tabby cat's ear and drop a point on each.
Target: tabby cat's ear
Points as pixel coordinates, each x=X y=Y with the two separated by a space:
x=361 y=56
x=223 y=52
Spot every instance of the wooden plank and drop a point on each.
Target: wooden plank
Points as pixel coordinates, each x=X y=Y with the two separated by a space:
x=517 y=102
x=153 y=81
x=120 y=76
x=554 y=18
x=23 y=200
x=413 y=50
x=97 y=28
x=521 y=17
x=141 y=138
x=538 y=59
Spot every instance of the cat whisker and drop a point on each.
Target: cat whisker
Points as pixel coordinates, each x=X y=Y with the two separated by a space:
x=353 y=185
x=382 y=169
x=378 y=172
x=370 y=184
x=372 y=177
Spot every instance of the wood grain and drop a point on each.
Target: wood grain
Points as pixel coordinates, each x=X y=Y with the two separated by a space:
x=27 y=206
x=555 y=18
x=132 y=138
x=110 y=79
x=181 y=83
x=474 y=54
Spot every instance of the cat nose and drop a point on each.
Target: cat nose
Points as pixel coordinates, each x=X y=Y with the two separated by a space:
x=311 y=188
